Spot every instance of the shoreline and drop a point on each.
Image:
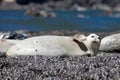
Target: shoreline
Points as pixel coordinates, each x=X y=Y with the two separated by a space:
x=60 y=32
x=78 y=5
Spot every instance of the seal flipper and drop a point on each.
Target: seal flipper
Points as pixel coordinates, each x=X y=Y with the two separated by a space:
x=81 y=45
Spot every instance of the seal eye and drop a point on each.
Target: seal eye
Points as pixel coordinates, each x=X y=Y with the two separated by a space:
x=92 y=36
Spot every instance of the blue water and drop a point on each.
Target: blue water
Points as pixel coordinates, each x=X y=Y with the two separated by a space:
x=94 y=21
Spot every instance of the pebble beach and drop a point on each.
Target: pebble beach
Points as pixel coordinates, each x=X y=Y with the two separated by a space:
x=103 y=66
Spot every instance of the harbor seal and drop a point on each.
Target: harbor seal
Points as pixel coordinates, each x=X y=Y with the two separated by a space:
x=56 y=45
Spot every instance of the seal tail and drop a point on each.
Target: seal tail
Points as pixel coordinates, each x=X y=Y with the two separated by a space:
x=5 y=44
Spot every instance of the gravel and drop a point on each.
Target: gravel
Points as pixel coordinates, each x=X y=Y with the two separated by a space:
x=101 y=67
x=104 y=66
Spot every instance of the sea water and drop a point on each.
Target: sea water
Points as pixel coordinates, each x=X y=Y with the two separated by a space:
x=91 y=21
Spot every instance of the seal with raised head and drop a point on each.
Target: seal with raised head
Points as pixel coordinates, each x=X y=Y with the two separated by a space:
x=56 y=45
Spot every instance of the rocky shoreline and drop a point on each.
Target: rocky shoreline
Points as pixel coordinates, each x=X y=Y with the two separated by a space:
x=78 y=5
x=46 y=8
x=104 y=66
x=57 y=32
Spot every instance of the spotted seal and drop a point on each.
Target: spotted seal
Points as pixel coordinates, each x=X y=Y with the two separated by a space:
x=50 y=45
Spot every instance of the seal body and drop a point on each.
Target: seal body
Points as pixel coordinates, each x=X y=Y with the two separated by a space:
x=46 y=45
x=56 y=45
x=111 y=43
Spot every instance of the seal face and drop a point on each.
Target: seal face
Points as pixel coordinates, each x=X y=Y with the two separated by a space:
x=89 y=44
x=93 y=38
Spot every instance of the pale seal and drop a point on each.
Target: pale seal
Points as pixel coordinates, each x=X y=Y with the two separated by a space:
x=110 y=43
x=56 y=45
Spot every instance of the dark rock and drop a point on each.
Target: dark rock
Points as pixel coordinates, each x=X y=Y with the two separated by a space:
x=24 y=2
x=40 y=13
x=10 y=6
x=12 y=35
x=61 y=4
x=103 y=7
x=78 y=8
x=2 y=54
x=116 y=8
x=32 y=12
